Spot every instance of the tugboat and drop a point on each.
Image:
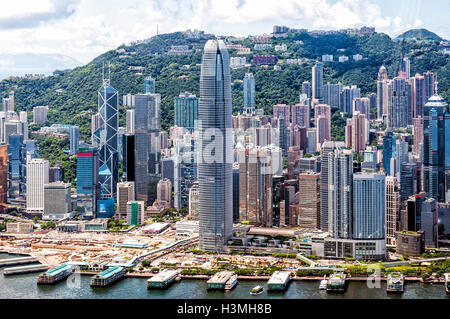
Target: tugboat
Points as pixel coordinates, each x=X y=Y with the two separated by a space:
x=257 y=291
x=395 y=283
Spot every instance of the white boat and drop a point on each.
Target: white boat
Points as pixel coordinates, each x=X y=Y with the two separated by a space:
x=231 y=283
x=257 y=290
x=323 y=284
x=395 y=283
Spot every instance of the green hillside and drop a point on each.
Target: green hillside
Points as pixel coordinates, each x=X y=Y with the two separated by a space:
x=72 y=95
x=420 y=34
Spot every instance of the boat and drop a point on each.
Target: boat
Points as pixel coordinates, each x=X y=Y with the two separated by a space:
x=178 y=279
x=336 y=282
x=231 y=283
x=395 y=283
x=447 y=282
x=257 y=291
x=323 y=284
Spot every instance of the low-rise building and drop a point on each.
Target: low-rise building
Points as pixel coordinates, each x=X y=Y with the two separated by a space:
x=19 y=227
x=410 y=243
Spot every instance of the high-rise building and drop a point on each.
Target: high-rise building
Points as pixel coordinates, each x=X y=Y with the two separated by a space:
x=406 y=67
x=125 y=194
x=193 y=201
x=382 y=92
x=348 y=94
x=57 y=201
x=186 y=111
x=309 y=200
x=389 y=150
x=362 y=105
x=37 y=177
x=340 y=194
x=429 y=85
x=215 y=170
x=418 y=136
x=392 y=209
x=282 y=111
x=185 y=169
x=358 y=132
x=135 y=213
x=369 y=206
x=249 y=94
x=88 y=185
x=436 y=147
x=399 y=103
x=307 y=89
x=40 y=114
x=128 y=157
x=106 y=139
x=164 y=193
x=74 y=135
x=418 y=95
x=331 y=94
x=317 y=82
x=327 y=151
x=430 y=222
x=147 y=146
x=3 y=176
x=130 y=121
x=16 y=166
x=149 y=85
x=300 y=115
x=322 y=120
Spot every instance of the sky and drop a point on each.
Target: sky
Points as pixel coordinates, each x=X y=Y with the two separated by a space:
x=83 y=29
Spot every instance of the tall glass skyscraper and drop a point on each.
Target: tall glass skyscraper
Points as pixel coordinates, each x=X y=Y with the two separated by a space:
x=87 y=181
x=249 y=94
x=74 y=134
x=149 y=85
x=317 y=82
x=369 y=202
x=105 y=137
x=388 y=150
x=215 y=158
x=186 y=111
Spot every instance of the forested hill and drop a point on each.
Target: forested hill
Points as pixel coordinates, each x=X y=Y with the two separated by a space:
x=72 y=95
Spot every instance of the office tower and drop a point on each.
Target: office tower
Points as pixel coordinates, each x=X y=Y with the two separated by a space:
x=168 y=169
x=37 y=177
x=235 y=192
x=88 y=186
x=186 y=111
x=392 y=209
x=307 y=164
x=135 y=213
x=149 y=85
x=299 y=137
x=16 y=166
x=331 y=94
x=312 y=140
x=369 y=206
x=429 y=85
x=125 y=194
x=106 y=139
x=215 y=176
x=164 y=140
x=401 y=156
x=74 y=133
x=382 y=92
x=406 y=67
x=185 y=170
x=323 y=127
x=389 y=147
x=362 y=105
x=55 y=174
x=327 y=151
x=57 y=201
x=300 y=115
x=249 y=94
x=164 y=193
x=348 y=94
x=418 y=95
x=429 y=222
x=309 y=200
x=358 y=132
x=340 y=194
x=3 y=176
x=128 y=155
x=399 y=103
x=282 y=111
x=408 y=180
x=306 y=89
x=130 y=121
x=418 y=136
x=23 y=125
x=193 y=201
x=317 y=82
x=255 y=186
x=348 y=134
x=95 y=124
x=128 y=100
x=40 y=114
x=147 y=146
x=372 y=100
x=436 y=147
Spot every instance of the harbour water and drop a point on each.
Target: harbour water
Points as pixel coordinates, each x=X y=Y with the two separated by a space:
x=24 y=286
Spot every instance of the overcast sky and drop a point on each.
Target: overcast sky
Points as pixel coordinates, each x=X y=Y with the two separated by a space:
x=83 y=29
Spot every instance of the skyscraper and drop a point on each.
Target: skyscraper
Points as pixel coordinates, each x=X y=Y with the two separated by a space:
x=282 y=111
x=306 y=89
x=436 y=147
x=215 y=147
x=74 y=134
x=249 y=94
x=382 y=92
x=106 y=139
x=389 y=142
x=125 y=194
x=40 y=114
x=147 y=146
x=3 y=175
x=130 y=121
x=300 y=115
x=149 y=85
x=309 y=200
x=88 y=186
x=358 y=132
x=348 y=94
x=186 y=111
x=369 y=205
x=317 y=82
x=399 y=103
x=37 y=177
x=429 y=85
x=418 y=95
x=331 y=94
x=392 y=209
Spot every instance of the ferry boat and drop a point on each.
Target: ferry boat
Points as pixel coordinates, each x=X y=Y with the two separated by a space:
x=231 y=283
x=55 y=275
x=323 y=284
x=336 y=282
x=257 y=291
x=395 y=282
x=447 y=282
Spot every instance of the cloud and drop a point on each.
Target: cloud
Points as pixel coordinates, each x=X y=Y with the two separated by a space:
x=34 y=16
